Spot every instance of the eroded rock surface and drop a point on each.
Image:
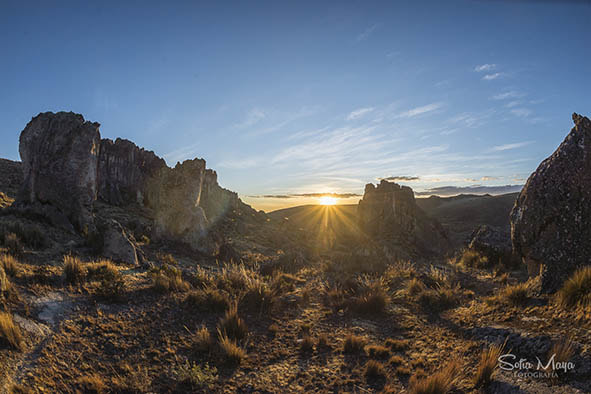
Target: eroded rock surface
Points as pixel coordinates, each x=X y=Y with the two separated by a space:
x=491 y=241
x=551 y=219
x=388 y=212
x=59 y=153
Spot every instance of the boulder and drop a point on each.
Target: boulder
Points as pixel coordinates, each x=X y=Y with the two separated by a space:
x=117 y=244
x=551 y=219
x=491 y=241
x=59 y=153
x=388 y=213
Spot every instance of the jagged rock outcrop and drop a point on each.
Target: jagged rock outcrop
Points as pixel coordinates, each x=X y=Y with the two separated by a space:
x=60 y=153
x=551 y=219
x=67 y=167
x=117 y=244
x=491 y=241
x=388 y=212
x=124 y=170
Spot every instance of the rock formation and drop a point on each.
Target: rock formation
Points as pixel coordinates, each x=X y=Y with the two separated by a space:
x=491 y=241
x=60 y=162
x=551 y=219
x=388 y=212
x=67 y=167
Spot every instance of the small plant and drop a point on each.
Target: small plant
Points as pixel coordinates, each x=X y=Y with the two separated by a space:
x=9 y=264
x=516 y=295
x=210 y=299
x=576 y=291
x=372 y=297
x=197 y=376
x=473 y=259
x=396 y=345
x=307 y=343
x=10 y=332
x=104 y=269
x=92 y=384
x=489 y=360
x=232 y=326
x=231 y=352
x=258 y=296
x=562 y=352
x=74 y=271
x=374 y=370
x=395 y=361
x=377 y=351
x=202 y=278
x=112 y=289
x=203 y=342
x=441 y=382
x=438 y=299
x=169 y=278
x=353 y=344
x=414 y=287
x=322 y=341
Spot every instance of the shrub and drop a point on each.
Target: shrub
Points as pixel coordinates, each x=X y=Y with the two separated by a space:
x=9 y=263
x=202 y=278
x=487 y=366
x=74 y=272
x=353 y=344
x=210 y=299
x=10 y=332
x=112 y=288
x=231 y=352
x=232 y=326
x=440 y=382
x=374 y=370
x=377 y=351
x=197 y=376
x=576 y=291
x=203 y=341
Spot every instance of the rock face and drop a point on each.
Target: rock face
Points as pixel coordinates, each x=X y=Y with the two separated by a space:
x=491 y=241
x=60 y=162
x=551 y=219
x=124 y=170
x=388 y=212
x=67 y=167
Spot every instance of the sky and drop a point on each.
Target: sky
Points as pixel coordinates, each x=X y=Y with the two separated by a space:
x=291 y=100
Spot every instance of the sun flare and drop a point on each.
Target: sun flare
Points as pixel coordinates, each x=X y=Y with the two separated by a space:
x=328 y=200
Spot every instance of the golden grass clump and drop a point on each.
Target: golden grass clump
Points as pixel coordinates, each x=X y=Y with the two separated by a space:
x=74 y=271
x=576 y=291
x=9 y=263
x=307 y=343
x=232 y=325
x=353 y=344
x=562 y=351
x=210 y=299
x=232 y=353
x=103 y=269
x=441 y=382
x=414 y=287
x=92 y=383
x=396 y=345
x=489 y=361
x=374 y=370
x=10 y=332
x=169 y=278
x=516 y=295
x=377 y=351
x=372 y=297
x=473 y=259
x=203 y=342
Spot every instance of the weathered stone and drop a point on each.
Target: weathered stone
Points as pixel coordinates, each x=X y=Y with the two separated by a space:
x=60 y=160
x=124 y=169
x=118 y=245
x=389 y=213
x=491 y=241
x=551 y=219
x=215 y=200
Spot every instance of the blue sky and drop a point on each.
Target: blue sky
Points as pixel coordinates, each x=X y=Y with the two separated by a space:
x=297 y=98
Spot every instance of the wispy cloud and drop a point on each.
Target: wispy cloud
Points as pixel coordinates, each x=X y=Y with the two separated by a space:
x=516 y=145
x=402 y=178
x=367 y=32
x=446 y=191
x=490 y=77
x=420 y=110
x=508 y=94
x=521 y=112
x=359 y=113
x=253 y=116
x=489 y=178
x=295 y=195
x=485 y=67
x=513 y=103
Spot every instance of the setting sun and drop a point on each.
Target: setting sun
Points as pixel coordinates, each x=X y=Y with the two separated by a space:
x=328 y=200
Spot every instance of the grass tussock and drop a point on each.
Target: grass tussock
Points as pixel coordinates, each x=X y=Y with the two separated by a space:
x=396 y=345
x=414 y=287
x=9 y=263
x=258 y=296
x=438 y=299
x=354 y=344
x=562 y=351
x=92 y=383
x=441 y=382
x=231 y=352
x=374 y=370
x=473 y=259
x=100 y=270
x=197 y=376
x=371 y=296
x=377 y=351
x=203 y=342
x=307 y=343
x=169 y=279
x=232 y=325
x=74 y=271
x=515 y=295
x=10 y=332
x=576 y=291
x=488 y=364
x=209 y=299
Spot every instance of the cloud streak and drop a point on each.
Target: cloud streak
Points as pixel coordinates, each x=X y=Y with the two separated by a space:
x=490 y=77
x=420 y=110
x=367 y=32
x=447 y=191
x=359 y=113
x=485 y=67
x=400 y=178
x=500 y=148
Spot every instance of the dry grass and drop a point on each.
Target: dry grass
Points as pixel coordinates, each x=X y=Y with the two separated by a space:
x=396 y=345
x=307 y=343
x=74 y=271
x=103 y=269
x=232 y=353
x=203 y=342
x=92 y=384
x=232 y=325
x=209 y=299
x=438 y=299
x=377 y=351
x=10 y=332
x=441 y=382
x=414 y=287
x=9 y=263
x=322 y=341
x=169 y=278
x=353 y=344
x=374 y=370
x=258 y=296
x=472 y=259
x=576 y=291
x=515 y=295
x=562 y=351
x=489 y=360
x=372 y=296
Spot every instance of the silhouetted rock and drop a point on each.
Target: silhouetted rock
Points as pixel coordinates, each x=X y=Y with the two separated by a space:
x=551 y=219
x=491 y=241
x=388 y=212
x=59 y=153
x=11 y=177
x=124 y=169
